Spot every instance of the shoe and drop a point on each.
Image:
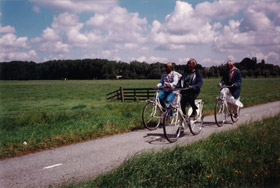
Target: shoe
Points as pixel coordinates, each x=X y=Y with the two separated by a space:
x=182 y=132
x=194 y=114
x=235 y=116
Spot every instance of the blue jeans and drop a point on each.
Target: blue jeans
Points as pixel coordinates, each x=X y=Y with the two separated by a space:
x=168 y=95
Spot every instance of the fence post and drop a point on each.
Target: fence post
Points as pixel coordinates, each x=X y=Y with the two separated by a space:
x=148 y=94
x=122 y=95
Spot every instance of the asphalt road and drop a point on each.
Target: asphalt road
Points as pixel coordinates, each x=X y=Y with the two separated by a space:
x=82 y=161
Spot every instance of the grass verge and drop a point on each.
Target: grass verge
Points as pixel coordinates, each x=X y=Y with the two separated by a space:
x=245 y=157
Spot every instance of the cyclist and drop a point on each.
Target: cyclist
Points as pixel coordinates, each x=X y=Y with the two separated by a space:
x=233 y=78
x=193 y=80
x=168 y=80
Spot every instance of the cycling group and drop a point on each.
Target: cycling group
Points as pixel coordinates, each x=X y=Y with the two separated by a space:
x=178 y=91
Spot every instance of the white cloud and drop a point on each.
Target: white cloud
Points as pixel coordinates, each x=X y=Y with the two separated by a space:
x=11 y=40
x=7 y=29
x=76 y=6
x=183 y=27
x=256 y=32
x=118 y=25
x=50 y=35
x=208 y=62
x=56 y=47
x=6 y=55
x=219 y=9
x=157 y=59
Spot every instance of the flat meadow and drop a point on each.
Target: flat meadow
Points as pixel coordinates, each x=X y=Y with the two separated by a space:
x=38 y=115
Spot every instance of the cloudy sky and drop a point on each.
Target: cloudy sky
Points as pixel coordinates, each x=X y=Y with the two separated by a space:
x=142 y=30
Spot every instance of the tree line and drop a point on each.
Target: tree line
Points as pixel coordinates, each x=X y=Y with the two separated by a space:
x=106 y=69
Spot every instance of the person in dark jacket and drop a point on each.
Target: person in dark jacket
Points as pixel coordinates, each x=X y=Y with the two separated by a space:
x=193 y=80
x=232 y=78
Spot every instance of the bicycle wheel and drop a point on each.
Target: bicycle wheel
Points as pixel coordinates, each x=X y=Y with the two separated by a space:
x=220 y=113
x=233 y=119
x=195 y=125
x=151 y=116
x=171 y=125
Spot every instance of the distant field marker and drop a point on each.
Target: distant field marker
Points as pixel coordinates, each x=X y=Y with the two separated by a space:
x=52 y=166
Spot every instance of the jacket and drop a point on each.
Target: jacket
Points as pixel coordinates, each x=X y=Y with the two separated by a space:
x=196 y=83
x=236 y=79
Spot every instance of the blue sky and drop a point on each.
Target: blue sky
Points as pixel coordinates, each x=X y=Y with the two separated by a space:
x=147 y=31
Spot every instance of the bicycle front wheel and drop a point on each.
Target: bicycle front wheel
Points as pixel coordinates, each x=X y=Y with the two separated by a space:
x=220 y=113
x=171 y=125
x=195 y=125
x=151 y=116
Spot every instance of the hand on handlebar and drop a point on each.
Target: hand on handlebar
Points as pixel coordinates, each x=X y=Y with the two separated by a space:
x=167 y=86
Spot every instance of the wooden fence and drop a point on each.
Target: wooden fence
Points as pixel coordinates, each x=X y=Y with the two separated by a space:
x=131 y=94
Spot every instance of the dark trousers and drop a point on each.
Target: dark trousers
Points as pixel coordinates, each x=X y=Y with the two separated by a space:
x=188 y=99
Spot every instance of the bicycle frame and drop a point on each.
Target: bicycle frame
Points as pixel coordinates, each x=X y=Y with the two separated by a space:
x=177 y=108
x=225 y=109
x=175 y=121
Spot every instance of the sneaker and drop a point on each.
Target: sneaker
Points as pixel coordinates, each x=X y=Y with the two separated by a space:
x=194 y=114
x=235 y=116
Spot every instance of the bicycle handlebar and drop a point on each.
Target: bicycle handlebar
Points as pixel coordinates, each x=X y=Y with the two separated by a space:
x=222 y=87
x=181 y=89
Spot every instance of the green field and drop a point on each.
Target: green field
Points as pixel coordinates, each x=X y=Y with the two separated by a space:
x=47 y=114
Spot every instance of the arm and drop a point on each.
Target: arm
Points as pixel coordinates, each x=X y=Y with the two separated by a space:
x=238 y=79
x=161 y=82
x=199 y=81
x=175 y=81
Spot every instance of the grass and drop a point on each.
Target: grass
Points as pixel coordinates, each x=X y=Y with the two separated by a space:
x=48 y=114
x=245 y=157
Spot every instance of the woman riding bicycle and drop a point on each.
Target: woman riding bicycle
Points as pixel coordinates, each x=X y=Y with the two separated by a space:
x=232 y=78
x=169 y=80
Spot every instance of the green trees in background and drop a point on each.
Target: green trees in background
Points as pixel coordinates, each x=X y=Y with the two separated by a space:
x=105 y=69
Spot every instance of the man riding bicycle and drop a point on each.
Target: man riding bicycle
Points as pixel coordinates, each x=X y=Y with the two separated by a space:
x=232 y=78
x=193 y=80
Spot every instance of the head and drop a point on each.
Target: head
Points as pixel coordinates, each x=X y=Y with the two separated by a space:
x=229 y=64
x=169 y=67
x=191 y=64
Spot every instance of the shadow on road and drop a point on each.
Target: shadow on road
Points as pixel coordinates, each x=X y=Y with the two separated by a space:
x=209 y=123
x=155 y=138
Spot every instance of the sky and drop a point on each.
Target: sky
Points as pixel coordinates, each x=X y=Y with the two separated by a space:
x=143 y=30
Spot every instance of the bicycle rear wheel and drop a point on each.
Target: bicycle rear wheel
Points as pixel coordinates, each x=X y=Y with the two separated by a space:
x=151 y=116
x=171 y=125
x=220 y=113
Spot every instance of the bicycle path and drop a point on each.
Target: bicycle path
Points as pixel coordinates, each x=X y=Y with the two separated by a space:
x=83 y=161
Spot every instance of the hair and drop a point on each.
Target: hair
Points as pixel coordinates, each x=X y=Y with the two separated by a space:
x=229 y=61
x=169 y=64
x=192 y=59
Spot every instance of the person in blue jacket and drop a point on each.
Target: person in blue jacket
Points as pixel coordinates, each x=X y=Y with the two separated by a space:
x=193 y=80
x=232 y=78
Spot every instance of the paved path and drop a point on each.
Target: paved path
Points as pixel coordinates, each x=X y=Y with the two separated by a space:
x=82 y=161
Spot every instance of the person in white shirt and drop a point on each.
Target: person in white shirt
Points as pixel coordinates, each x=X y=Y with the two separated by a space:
x=169 y=80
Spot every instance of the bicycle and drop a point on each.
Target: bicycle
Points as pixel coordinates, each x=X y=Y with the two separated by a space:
x=152 y=113
x=223 y=108
x=175 y=122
